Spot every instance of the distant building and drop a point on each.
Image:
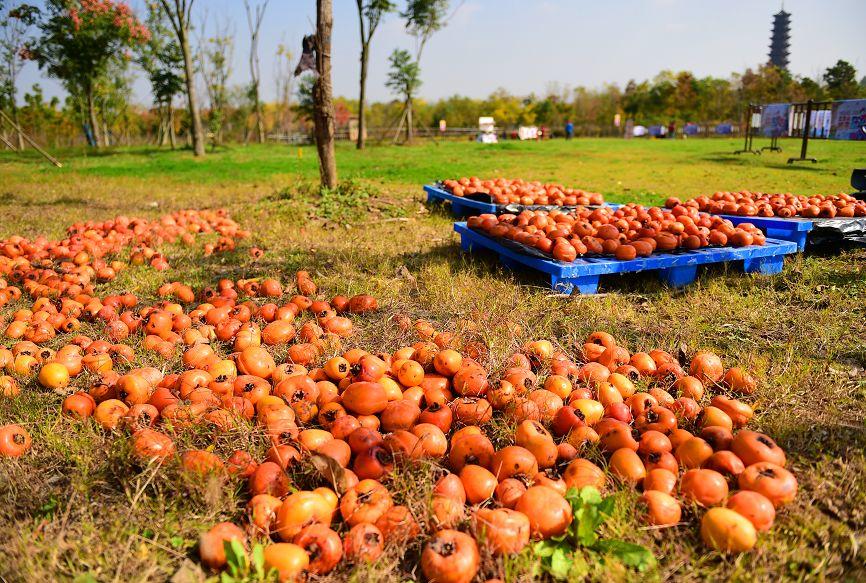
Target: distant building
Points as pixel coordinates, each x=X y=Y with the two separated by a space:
x=780 y=40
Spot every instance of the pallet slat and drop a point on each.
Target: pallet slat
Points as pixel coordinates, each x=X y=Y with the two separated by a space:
x=676 y=269
x=793 y=229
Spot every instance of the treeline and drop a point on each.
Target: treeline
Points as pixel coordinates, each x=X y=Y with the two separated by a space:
x=95 y=48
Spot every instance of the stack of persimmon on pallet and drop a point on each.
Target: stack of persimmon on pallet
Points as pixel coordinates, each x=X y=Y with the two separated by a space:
x=629 y=231
x=787 y=205
x=675 y=434
x=524 y=192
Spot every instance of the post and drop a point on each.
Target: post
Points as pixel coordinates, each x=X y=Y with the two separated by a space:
x=747 y=140
x=27 y=138
x=807 y=128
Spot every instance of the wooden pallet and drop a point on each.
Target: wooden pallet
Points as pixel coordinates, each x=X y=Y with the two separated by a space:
x=676 y=269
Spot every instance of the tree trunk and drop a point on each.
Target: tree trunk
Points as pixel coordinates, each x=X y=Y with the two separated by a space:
x=194 y=114
x=18 y=132
x=362 y=124
x=91 y=116
x=160 y=131
x=409 y=124
x=171 y=136
x=260 y=117
x=322 y=98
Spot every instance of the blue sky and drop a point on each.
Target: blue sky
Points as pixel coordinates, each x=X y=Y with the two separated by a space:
x=529 y=46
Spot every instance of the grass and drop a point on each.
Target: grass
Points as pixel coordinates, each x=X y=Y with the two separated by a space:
x=78 y=507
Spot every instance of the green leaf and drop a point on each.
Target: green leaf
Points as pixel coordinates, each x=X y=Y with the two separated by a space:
x=543 y=548
x=176 y=541
x=236 y=557
x=588 y=521
x=258 y=560
x=589 y=495
x=560 y=564
x=606 y=507
x=632 y=555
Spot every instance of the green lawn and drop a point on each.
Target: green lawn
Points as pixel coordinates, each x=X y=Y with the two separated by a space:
x=79 y=508
x=642 y=170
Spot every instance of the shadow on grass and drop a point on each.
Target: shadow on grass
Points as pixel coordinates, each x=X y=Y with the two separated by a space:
x=9 y=198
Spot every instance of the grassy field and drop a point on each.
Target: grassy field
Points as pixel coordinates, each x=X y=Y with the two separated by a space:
x=78 y=508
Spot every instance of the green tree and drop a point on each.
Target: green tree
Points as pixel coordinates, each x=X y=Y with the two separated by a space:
x=77 y=42
x=112 y=95
x=841 y=80
x=370 y=14
x=14 y=23
x=423 y=18
x=215 y=64
x=162 y=60
x=404 y=80
x=254 y=21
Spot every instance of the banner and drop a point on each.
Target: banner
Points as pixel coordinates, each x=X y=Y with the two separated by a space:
x=849 y=120
x=774 y=120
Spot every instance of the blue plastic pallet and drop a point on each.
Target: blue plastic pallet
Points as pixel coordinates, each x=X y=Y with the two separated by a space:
x=793 y=229
x=676 y=269
x=465 y=207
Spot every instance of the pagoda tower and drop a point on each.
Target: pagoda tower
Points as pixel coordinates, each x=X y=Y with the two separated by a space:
x=780 y=40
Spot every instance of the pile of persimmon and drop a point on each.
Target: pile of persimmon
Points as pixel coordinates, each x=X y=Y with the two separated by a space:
x=760 y=204
x=266 y=358
x=628 y=232
x=524 y=192
x=91 y=252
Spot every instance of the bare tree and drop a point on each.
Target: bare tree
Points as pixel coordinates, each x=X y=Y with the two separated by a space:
x=179 y=15
x=283 y=79
x=215 y=57
x=370 y=13
x=322 y=95
x=254 y=21
x=14 y=23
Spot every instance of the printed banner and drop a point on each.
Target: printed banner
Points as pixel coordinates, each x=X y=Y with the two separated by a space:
x=774 y=120
x=849 y=120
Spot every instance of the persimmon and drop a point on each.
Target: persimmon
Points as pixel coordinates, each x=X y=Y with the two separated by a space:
x=148 y=444
x=365 y=502
x=548 y=512
x=397 y=524
x=79 y=405
x=478 y=482
x=365 y=398
x=288 y=559
x=450 y=556
x=725 y=530
x=54 y=375
x=753 y=447
x=704 y=487
x=14 y=441
x=627 y=466
x=662 y=509
x=513 y=461
x=505 y=531
x=776 y=483
x=269 y=478
x=755 y=507
x=211 y=543
x=363 y=543
x=706 y=367
x=108 y=413
x=693 y=453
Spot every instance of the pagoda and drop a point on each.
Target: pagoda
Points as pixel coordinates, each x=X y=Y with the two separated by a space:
x=780 y=41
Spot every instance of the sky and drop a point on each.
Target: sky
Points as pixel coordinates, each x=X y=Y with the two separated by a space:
x=527 y=46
